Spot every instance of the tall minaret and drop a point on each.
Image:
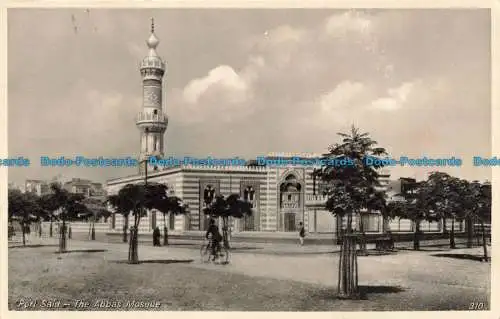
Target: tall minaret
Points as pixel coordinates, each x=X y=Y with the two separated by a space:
x=152 y=121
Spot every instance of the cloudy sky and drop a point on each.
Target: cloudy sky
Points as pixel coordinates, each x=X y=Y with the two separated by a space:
x=248 y=82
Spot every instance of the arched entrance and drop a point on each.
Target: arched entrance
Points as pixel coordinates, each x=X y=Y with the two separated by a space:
x=291 y=203
x=208 y=191
x=248 y=222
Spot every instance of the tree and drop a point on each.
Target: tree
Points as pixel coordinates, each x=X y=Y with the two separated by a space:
x=378 y=202
x=170 y=205
x=137 y=198
x=24 y=208
x=351 y=185
x=225 y=207
x=95 y=209
x=478 y=202
x=447 y=192
x=122 y=209
x=418 y=207
x=68 y=207
x=49 y=207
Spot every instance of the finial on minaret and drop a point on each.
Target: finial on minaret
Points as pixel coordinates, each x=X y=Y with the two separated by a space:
x=153 y=40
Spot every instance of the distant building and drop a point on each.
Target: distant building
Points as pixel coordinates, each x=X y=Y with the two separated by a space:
x=398 y=189
x=13 y=185
x=39 y=187
x=85 y=187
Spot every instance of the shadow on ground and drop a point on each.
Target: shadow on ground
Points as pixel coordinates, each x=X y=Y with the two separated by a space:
x=364 y=292
x=83 y=251
x=32 y=246
x=158 y=261
x=377 y=253
x=461 y=256
x=423 y=249
x=245 y=248
x=299 y=253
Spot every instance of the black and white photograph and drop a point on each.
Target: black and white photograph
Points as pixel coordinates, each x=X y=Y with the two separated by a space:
x=248 y=159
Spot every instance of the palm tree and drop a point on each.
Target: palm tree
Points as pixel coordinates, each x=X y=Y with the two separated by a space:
x=232 y=206
x=170 y=205
x=137 y=198
x=350 y=188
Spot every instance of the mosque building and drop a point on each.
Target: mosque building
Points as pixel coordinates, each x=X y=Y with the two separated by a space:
x=281 y=196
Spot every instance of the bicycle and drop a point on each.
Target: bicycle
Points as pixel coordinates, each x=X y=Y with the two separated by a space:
x=222 y=253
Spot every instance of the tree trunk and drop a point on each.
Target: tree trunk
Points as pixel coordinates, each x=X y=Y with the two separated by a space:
x=349 y=224
x=40 y=229
x=385 y=225
x=133 y=256
x=92 y=235
x=165 y=230
x=485 y=250
x=452 y=235
x=225 y=237
x=445 y=231
x=125 y=229
x=50 y=228
x=416 y=236
x=23 y=228
x=62 y=238
x=348 y=268
x=92 y=232
x=470 y=231
x=362 y=242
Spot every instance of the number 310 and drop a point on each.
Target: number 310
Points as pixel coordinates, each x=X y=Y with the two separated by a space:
x=476 y=306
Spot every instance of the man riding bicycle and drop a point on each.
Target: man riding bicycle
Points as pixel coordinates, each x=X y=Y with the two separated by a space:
x=214 y=236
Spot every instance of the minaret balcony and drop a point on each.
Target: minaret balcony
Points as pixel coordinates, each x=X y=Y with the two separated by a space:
x=149 y=119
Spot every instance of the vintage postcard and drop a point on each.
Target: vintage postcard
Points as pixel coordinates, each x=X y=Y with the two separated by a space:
x=249 y=158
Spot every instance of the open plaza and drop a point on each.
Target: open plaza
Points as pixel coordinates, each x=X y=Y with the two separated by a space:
x=259 y=277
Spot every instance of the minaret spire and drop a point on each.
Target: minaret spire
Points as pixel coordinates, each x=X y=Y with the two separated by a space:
x=152 y=121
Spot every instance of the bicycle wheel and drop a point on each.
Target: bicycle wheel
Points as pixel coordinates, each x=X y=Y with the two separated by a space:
x=205 y=253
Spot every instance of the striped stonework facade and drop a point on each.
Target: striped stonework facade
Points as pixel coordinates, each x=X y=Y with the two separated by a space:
x=281 y=198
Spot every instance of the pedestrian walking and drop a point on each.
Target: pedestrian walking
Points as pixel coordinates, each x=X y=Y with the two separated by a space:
x=156 y=236
x=27 y=231
x=302 y=233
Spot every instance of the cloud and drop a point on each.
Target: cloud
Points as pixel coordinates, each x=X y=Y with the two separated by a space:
x=224 y=80
x=344 y=95
x=348 y=22
x=396 y=97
